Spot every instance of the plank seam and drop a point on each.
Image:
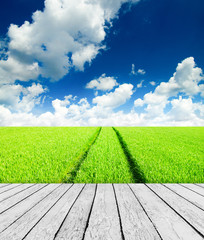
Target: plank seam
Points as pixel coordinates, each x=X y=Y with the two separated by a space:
x=183 y=197
x=18 y=192
x=192 y=190
x=146 y=212
x=31 y=207
x=22 y=200
x=199 y=185
x=87 y=223
x=47 y=212
x=176 y=212
x=120 y=220
x=11 y=188
x=68 y=212
x=4 y=185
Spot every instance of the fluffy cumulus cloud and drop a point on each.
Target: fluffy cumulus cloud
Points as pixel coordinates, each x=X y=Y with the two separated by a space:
x=186 y=81
x=72 y=37
x=102 y=83
x=116 y=98
x=171 y=103
x=18 y=98
x=71 y=111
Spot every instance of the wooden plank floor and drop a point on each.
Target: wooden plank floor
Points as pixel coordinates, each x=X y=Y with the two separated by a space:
x=101 y=211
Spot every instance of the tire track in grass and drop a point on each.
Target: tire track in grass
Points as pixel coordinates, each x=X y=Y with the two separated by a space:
x=137 y=173
x=105 y=162
x=69 y=178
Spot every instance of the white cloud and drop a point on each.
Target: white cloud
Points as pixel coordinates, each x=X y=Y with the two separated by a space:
x=183 y=110
x=141 y=71
x=13 y=69
x=66 y=34
x=133 y=70
x=139 y=102
x=185 y=80
x=116 y=98
x=19 y=98
x=81 y=113
x=60 y=106
x=139 y=85
x=163 y=107
x=102 y=83
x=152 y=83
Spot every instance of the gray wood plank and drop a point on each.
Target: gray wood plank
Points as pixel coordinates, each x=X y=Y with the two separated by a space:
x=135 y=223
x=169 y=224
x=23 y=225
x=14 y=191
x=8 y=187
x=50 y=223
x=194 y=188
x=12 y=214
x=75 y=223
x=104 y=220
x=200 y=185
x=3 y=184
x=191 y=213
x=187 y=194
x=8 y=203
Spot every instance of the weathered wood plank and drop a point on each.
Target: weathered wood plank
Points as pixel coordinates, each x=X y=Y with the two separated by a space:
x=169 y=224
x=187 y=194
x=194 y=188
x=188 y=211
x=75 y=223
x=3 y=184
x=8 y=203
x=104 y=220
x=200 y=185
x=12 y=214
x=50 y=223
x=135 y=223
x=14 y=191
x=23 y=225
x=8 y=187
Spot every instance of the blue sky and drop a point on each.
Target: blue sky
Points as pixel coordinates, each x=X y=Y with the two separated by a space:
x=101 y=63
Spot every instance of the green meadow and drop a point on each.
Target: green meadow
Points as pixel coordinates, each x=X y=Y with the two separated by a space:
x=102 y=155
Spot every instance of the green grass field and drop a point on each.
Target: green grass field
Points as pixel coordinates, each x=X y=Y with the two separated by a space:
x=41 y=154
x=102 y=155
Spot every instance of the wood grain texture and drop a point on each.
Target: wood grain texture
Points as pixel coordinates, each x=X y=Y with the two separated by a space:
x=12 y=214
x=8 y=203
x=50 y=223
x=24 y=224
x=101 y=211
x=194 y=188
x=188 y=211
x=3 y=185
x=75 y=223
x=9 y=187
x=169 y=224
x=104 y=221
x=135 y=223
x=186 y=193
x=14 y=191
